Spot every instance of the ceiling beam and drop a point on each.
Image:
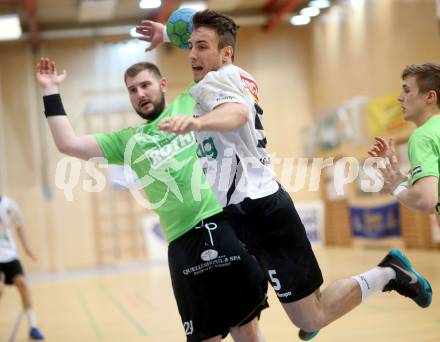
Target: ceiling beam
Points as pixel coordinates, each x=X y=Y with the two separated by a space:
x=271 y=6
x=165 y=11
x=31 y=11
x=9 y=2
x=276 y=17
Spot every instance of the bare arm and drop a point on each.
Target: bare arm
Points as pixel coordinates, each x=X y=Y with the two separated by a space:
x=423 y=195
x=225 y=117
x=67 y=142
x=23 y=240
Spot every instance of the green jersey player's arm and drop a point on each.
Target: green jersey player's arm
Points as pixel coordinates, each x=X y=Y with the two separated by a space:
x=67 y=142
x=423 y=195
x=423 y=157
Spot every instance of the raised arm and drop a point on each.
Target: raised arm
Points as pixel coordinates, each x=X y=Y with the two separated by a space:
x=152 y=32
x=67 y=142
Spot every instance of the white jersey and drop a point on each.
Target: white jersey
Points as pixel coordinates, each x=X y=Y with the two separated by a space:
x=10 y=217
x=236 y=163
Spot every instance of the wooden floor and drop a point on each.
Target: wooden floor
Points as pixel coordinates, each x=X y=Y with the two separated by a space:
x=139 y=306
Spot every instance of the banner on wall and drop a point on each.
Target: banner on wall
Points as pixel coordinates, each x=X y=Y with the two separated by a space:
x=375 y=222
x=435 y=228
x=312 y=216
x=385 y=116
x=329 y=135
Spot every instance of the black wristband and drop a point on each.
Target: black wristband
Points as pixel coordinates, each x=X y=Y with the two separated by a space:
x=53 y=106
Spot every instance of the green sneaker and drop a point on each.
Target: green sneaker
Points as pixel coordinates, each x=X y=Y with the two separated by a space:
x=408 y=282
x=307 y=336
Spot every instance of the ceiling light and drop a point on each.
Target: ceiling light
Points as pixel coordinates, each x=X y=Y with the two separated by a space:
x=320 y=3
x=310 y=11
x=9 y=27
x=357 y=3
x=195 y=5
x=297 y=20
x=94 y=10
x=150 y=4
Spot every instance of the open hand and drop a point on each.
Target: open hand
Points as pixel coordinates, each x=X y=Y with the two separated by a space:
x=152 y=33
x=382 y=148
x=391 y=174
x=47 y=76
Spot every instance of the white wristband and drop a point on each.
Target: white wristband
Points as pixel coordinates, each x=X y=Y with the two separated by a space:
x=401 y=187
x=166 y=39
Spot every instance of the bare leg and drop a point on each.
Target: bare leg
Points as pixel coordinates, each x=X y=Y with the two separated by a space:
x=214 y=339
x=321 y=308
x=2 y=285
x=23 y=289
x=249 y=332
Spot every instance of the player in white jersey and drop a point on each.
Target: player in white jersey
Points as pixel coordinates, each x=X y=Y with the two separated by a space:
x=228 y=125
x=11 y=271
x=245 y=170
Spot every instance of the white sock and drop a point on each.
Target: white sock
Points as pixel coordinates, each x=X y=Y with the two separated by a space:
x=30 y=314
x=374 y=280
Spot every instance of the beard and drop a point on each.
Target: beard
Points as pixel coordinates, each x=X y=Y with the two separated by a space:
x=155 y=112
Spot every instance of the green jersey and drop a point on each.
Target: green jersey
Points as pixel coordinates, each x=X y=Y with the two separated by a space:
x=424 y=151
x=167 y=167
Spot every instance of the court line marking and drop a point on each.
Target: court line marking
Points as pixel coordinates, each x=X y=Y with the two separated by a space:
x=16 y=327
x=122 y=309
x=89 y=314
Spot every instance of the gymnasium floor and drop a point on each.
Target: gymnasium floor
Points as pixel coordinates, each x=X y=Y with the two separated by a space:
x=138 y=305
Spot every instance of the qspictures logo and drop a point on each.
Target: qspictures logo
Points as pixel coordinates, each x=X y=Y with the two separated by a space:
x=295 y=174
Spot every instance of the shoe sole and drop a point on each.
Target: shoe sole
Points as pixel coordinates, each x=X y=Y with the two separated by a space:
x=426 y=286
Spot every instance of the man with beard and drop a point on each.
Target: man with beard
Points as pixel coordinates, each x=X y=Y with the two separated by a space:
x=218 y=286
x=229 y=116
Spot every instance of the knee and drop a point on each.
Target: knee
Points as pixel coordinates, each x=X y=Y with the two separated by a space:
x=250 y=333
x=250 y=337
x=254 y=337
x=21 y=283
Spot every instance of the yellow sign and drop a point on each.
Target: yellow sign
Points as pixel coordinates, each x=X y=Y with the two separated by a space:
x=385 y=117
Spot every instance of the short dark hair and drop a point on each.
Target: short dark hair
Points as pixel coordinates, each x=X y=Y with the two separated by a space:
x=135 y=69
x=223 y=25
x=427 y=77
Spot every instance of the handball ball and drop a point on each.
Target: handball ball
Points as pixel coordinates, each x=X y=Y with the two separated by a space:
x=179 y=27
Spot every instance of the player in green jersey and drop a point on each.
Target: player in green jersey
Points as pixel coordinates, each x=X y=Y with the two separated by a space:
x=420 y=99
x=228 y=116
x=218 y=286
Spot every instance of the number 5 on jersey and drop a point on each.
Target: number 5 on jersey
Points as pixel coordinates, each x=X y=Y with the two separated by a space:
x=274 y=280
